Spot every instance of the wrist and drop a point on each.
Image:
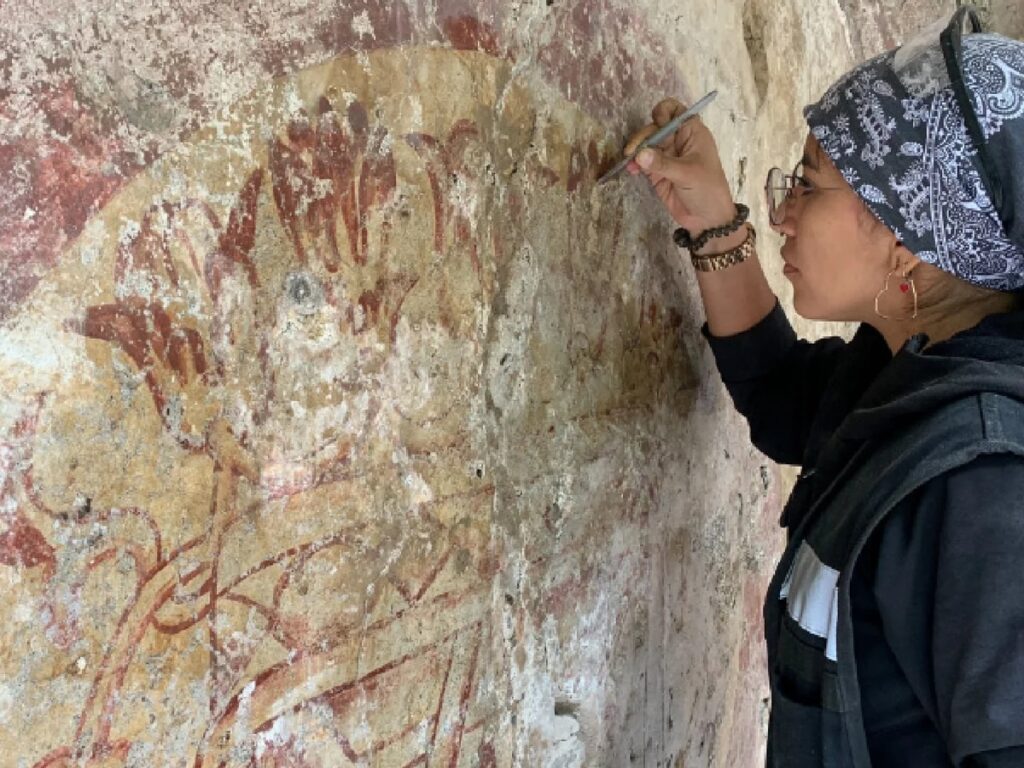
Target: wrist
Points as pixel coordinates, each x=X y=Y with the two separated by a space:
x=718 y=260
x=724 y=243
x=719 y=215
x=697 y=242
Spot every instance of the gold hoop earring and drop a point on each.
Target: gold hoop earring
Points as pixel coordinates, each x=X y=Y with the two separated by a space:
x=907 y=285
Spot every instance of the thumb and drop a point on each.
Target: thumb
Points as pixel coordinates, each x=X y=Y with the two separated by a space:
x=655 y=162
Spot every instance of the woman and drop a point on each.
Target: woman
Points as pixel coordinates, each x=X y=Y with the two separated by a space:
x=895 y=620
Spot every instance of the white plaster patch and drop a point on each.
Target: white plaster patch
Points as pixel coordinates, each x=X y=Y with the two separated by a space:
x=419 y=491
x=37 y=354
x=6 y=700
x=23 y=613
x=362 y=26
x=414 y=110
x=128 y=231
x=240 y=728
x=275 y=736
x=508 y=354
x=305 y=342
x=91 y=244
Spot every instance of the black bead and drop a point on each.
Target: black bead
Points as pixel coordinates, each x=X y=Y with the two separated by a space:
x=683 y=239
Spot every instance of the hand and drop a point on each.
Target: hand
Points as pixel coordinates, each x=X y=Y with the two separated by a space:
x=685 y=171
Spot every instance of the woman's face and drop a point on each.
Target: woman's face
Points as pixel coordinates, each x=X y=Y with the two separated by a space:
x=837 y=253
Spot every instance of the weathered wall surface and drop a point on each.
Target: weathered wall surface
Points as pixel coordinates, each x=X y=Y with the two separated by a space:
x=1006 y=17
x=345 y=421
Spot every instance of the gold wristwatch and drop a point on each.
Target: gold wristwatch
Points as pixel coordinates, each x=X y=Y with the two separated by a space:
x=712 y=262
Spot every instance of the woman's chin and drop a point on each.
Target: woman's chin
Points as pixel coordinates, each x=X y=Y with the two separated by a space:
x=803 y=308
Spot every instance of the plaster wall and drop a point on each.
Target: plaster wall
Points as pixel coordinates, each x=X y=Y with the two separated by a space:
x=345 y=420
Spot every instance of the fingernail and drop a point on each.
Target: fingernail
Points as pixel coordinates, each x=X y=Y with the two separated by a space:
x=644 y=158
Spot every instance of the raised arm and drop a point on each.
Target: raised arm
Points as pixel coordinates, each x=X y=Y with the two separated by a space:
x=776 y=381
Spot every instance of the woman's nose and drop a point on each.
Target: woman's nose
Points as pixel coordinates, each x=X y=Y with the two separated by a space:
x=787 y=226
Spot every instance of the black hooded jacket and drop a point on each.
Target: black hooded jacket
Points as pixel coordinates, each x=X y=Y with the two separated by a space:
x=938 y=594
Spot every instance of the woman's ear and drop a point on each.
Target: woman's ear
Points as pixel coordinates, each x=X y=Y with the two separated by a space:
x=903 y=260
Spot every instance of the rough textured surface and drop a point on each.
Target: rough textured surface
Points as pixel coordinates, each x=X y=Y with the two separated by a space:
x=345 y=421
x=1006 y=17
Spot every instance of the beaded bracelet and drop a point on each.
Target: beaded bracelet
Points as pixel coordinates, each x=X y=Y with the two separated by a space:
x=683 y=239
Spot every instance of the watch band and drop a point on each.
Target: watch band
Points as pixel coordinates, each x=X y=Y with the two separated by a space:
x=713 y=262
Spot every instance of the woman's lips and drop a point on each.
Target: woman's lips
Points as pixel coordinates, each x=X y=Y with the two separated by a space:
x=788 y=269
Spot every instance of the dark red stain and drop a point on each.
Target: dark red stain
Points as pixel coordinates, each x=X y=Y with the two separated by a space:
x=63 y=180
x=69 y=177
x=235 y=243
x=147 y=334
x=144 y=331
x=377 y=182
x=602 y=54
x=292 y=186
x=333 y=161
x=587 y=164
x=315 y=182
x=23 y=546
x=467 y=33
x=393 y=24
x=370 y=304
x=446 y=161
x=148 y=253
x=486 y=756
x=286 y=755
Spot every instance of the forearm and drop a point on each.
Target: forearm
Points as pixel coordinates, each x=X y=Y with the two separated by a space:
x=735 y=298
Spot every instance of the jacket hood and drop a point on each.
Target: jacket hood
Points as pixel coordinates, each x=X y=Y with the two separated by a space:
x=987 y=357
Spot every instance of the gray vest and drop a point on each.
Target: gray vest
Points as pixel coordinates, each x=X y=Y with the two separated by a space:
x=816 y=714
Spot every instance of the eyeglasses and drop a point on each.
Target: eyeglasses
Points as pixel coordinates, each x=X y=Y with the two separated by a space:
x=779 y=188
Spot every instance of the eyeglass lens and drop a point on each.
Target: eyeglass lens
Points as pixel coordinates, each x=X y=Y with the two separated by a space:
x=777 y=192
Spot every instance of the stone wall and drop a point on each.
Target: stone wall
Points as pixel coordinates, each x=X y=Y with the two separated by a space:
x=346 y=421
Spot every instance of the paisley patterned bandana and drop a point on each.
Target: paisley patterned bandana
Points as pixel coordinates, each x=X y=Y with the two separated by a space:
x=895 y=130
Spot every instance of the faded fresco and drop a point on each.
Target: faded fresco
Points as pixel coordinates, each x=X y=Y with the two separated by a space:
x=345 y=420
x=258 y=482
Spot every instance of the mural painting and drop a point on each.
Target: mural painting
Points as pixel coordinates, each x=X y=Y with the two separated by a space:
x=291 y=413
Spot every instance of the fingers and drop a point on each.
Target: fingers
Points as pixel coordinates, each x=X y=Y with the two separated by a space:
x=663 y=189
x=674 y=146
x=665 y=110
x=658 y=164
x=639 y=136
